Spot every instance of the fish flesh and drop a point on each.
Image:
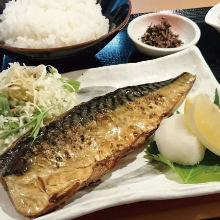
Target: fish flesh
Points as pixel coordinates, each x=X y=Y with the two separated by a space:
x=85 y=143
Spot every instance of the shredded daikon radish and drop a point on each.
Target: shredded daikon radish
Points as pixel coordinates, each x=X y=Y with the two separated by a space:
x=31 y=90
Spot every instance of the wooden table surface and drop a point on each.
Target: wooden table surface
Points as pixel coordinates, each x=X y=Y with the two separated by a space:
x=141 y=6
x=204 y=207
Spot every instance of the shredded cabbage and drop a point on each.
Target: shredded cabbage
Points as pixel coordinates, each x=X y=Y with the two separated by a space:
x=30 y=91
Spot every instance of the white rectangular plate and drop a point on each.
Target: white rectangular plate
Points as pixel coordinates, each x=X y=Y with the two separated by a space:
x=133 y=179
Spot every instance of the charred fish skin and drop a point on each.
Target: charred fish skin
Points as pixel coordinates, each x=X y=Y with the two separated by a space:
x=86 y=143
x=81 y=114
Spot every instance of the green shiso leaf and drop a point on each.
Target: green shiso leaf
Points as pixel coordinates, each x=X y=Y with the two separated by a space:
x=206 y=171
x=4 y=105
x=70 y=85
x=217 y=100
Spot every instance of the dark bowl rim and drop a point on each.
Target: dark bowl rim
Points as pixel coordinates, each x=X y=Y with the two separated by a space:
x=42 y=50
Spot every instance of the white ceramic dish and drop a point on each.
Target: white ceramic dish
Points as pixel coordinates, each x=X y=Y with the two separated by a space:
x=187 y=30
x=133 y=179
x=212 y=18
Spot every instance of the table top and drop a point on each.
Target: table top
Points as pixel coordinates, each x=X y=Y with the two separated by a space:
x=143 y=6
x=195 y=208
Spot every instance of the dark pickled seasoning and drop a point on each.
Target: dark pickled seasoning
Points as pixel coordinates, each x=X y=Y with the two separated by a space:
x=160 y=35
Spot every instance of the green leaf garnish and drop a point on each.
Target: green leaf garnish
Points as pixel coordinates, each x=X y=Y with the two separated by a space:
x=36 y=122
x=206 y=171
x=4 y=105
x=13 y=131
x=13 y=125
x=152 y=153
x=70 y=85
x=51 y=70
x=217 y=100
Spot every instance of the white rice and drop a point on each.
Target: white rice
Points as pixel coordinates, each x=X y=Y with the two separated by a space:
x=51 y=23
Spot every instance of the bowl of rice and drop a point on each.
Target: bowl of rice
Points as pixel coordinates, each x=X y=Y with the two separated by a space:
x=52 y=30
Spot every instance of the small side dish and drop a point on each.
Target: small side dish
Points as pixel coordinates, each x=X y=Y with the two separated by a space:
x=161 y=35
x=161 y=38
x=212 y=18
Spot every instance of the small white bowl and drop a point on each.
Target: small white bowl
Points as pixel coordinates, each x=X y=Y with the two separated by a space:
x=188 y=31
x=212 y=18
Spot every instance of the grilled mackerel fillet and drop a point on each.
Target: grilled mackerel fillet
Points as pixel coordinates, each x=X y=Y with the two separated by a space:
x=86 y=143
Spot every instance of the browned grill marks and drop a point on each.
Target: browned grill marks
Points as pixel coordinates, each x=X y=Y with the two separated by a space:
x=85 y=143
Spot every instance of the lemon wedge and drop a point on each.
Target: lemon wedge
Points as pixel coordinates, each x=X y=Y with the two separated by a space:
x=188 y=113
x=203 y=120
